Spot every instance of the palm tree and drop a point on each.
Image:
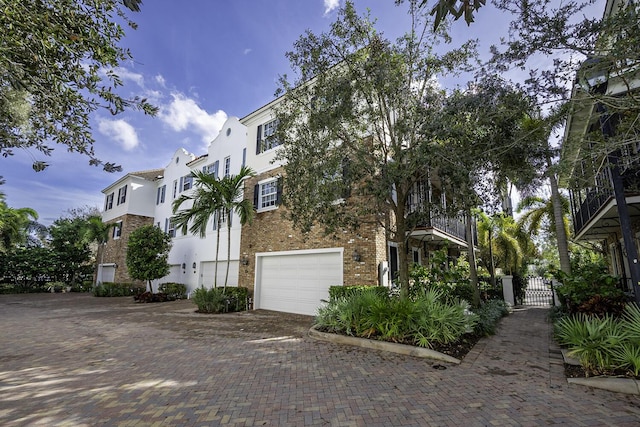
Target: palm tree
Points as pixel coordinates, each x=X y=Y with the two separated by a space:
x=13 y=224
x=503 y=242
x=232 y=200
x=97 y=232
x=206 y=201
x=538 y=210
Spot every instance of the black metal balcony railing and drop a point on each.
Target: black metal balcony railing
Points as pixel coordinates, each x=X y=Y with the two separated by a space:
x=587 y=202
x=452 y=226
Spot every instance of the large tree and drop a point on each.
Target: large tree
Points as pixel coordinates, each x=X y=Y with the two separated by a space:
x=58 y=61
x=147 y=253
x=356 y=124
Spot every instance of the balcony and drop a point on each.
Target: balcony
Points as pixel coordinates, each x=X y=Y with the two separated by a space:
x=594 y=209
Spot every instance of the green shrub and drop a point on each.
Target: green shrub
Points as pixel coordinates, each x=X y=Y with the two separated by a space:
x=591 y=340
x=589 y=289
x=427 y=318
x=336 y=292
x=220 y=300
x=173 y=290
x=489 y=313
x=147 y=297
x=110 y=289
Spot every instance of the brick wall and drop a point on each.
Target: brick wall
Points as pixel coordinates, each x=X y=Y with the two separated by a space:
x=115 y=251
x=271 y=231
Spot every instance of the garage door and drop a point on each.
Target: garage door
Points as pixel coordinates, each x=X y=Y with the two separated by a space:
x=208 y=273
x=296 y=281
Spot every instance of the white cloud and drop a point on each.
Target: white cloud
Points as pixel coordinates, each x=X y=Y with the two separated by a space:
x=247 y=51
x=184 y=113
x=330 y=5
x=160 y=80
x=120 y=131
x=126 y=74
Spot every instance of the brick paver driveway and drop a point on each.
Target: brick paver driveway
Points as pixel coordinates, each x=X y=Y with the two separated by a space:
x=69 y=359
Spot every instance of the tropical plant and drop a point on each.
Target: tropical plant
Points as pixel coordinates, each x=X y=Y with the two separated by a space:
x=147 y=252
x=503 y=244
x=231 y=192
x=13 y=224
x=489 y=313
x=423 y=320
x=539 y=215
x=591 y=340
x=218 y=300
x=218 y=199
x=205 y=202
x=588 y=285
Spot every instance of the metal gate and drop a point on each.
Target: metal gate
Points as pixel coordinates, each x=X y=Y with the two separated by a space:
x=538 y=291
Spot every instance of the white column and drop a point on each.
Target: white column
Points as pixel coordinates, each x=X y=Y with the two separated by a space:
x=507 y=290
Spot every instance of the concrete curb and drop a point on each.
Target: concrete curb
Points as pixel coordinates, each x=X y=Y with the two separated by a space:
x=618 y=385
x=406 y=350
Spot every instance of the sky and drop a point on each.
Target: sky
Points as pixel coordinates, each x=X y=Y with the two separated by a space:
x=200 y=62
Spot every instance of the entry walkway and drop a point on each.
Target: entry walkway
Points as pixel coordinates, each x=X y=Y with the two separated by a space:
x=73 y=360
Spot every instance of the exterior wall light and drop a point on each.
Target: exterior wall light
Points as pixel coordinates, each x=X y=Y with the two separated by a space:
x=194 y=265
x=244 y=261
x=184 y=266
x=356 y=256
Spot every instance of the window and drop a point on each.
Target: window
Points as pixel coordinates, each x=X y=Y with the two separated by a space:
x=267 y=194
x=266 y=137
x=117 y=230
x=211 y=168
x=108 y=204
x=175 y=189
x=122 y=195
x=161 y=193
x=169 y=227
x=186 y=183
x=227 y=166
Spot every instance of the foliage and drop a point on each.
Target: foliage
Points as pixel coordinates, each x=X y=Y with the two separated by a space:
x=519 y=288
x=427 y=318
x=173 y=290
x=110 y=289
x=147 y=297
x=70 y=249
x=604 y=343
x=358 y=121
x=587 y=288
x=590 y=340
x=28 y=269
x=337 y=292
x=58 y=65
x=489 y=313
x=14 y=224
x=147 y=252
x=220 y=300
x=451 y=280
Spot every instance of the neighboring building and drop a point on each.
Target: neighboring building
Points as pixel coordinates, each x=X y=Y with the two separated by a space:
x=596 y=215
x=146 y=198
x=286 y=270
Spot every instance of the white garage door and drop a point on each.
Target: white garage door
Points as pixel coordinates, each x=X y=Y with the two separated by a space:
x=296 y=281
x=208 y=273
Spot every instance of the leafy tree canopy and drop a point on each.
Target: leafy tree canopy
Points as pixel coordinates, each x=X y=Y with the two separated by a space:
x=358 y=123
x=57 y=62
